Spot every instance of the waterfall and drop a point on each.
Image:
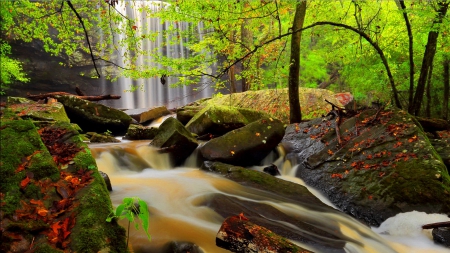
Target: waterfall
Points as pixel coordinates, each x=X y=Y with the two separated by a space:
x=151 y=91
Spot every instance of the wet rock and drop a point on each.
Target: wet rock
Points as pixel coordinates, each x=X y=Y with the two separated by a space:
x=442 y=236
x=95 y=117
x=442 y=147
x=175 y=139
x=247 y=145
x=219 y=120
x=143 y=115
x=383 y=166
x=138 y=132
x=181 y=247
x=272 y=170
x=103 y=138
x=237 y=234
x=186 y=113
x=106 y=179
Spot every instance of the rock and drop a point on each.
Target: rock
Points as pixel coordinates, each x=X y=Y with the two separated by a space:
x=272 y=170
x=442 y=236
x=346 y=100
x=181 y=247
x=95 y=117
x=18 y=100
x=276 y=102
x=143 y=115
x=442 y=147
x=237 y=234
x=218 y=120
x=247 y=145
x=175 y=139
x=382 y=167
x=138 y=132
x=28 y=109
x=103 y=138
x=106 y=179
x=263 y=214
x=186 y=113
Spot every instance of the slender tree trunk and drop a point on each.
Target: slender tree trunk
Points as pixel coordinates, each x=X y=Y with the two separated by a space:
x=247 y=42
x=232 y=70
x=294 y=67
x=430 y=51
x=428 y=93
x=411 y=54
x=446 y=87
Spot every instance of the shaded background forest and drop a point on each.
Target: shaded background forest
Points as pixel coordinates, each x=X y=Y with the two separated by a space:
x=394 y=52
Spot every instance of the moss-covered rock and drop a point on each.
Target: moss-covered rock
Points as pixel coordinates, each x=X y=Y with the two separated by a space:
x=138 y=132
x=143 y=115
x=383 y=165
x=38 y=112
x=175 y=139
x=51 y=186
x=186 y=113
x=94 y=117
x=218 y=120
x=276 y=102
x=102 y=138
x=247 y=145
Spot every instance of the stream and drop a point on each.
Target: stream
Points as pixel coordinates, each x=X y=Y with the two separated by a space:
x=176 y=199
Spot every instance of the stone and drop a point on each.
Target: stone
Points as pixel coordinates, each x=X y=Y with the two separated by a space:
x=272 y=170
x=383 y=166
x=106 y=179
x=186 y=113
x=181 y=247
x=27 y=109
x=442 y=236
x=138 y=132
x=95 y=117
x=175 y=139
x=143 y=115
x=218 y=120
x=247 y=145
x=103 y=138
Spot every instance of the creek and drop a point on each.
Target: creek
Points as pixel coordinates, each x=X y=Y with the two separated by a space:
x=178 y=203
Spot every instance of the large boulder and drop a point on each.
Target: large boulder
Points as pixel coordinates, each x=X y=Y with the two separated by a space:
x=94 y=117
x=186 y=113
x=27 y=109
x=138 y=132
x=247 y=145
x=52 y=196
x=173 y=138
x=218 y=120
x=381 y=165
x=275 y=102
x=142 y=115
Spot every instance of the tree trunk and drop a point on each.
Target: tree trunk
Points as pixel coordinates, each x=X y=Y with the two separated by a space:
x=446 y=88
x=247 y=42
x=411 y=54
x=430 y=51
x=428 y=93
x=294 y=66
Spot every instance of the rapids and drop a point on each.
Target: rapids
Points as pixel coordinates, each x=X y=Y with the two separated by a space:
x=176 y=197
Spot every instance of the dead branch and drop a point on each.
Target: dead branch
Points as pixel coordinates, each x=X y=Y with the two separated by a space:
x=437 y=225
x=79 y=91
x=54 y=94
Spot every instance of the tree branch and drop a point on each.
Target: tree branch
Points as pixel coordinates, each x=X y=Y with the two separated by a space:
x=86 y=34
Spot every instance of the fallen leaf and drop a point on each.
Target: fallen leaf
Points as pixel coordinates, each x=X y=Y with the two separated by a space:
x=25 y=182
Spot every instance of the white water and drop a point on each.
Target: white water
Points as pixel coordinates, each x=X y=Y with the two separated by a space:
x=175 y=198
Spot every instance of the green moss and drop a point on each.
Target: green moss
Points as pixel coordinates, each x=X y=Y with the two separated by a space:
x=45 y=248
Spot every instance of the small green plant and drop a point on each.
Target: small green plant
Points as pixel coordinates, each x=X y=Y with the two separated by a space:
x=108 y=132
x=128 y=209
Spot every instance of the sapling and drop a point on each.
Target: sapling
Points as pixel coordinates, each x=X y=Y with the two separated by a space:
x=128 y=209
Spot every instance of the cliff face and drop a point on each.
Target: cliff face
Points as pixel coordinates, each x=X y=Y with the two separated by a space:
x=54 y=73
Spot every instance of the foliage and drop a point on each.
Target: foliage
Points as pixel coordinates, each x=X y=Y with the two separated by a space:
x=130 y=207
x=11 y=69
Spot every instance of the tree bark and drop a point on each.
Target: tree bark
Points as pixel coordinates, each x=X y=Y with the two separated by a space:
x=411 y=53
x=294 y=67
x=430 y=51
x=446 y=88
x=428 y=93
x=247 y=42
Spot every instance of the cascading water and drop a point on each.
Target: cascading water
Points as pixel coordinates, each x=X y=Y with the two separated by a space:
x=151 y=91
x=177 y=197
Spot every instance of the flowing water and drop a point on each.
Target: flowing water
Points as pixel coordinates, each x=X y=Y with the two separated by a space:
x=176 y=198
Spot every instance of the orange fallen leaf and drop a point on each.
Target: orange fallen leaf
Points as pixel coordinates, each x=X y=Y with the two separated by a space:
x=25 y=182
x=330 y=152
x=42 y=212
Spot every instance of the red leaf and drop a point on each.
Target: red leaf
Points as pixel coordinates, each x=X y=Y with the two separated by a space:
x=134 y=27
x=25 y=182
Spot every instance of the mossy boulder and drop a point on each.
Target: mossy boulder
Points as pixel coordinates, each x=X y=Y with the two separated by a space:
x=382 y=164
x=261 y=213
x=143 y=115
x=247 y=145
x=175 y=139
x=442 y=147
x=275 y=102
x=53 y=198
x=94 y=117
x=186 y=113
x=28 y=109
x=218 y=120
x=102 y=138
x=138 y=132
